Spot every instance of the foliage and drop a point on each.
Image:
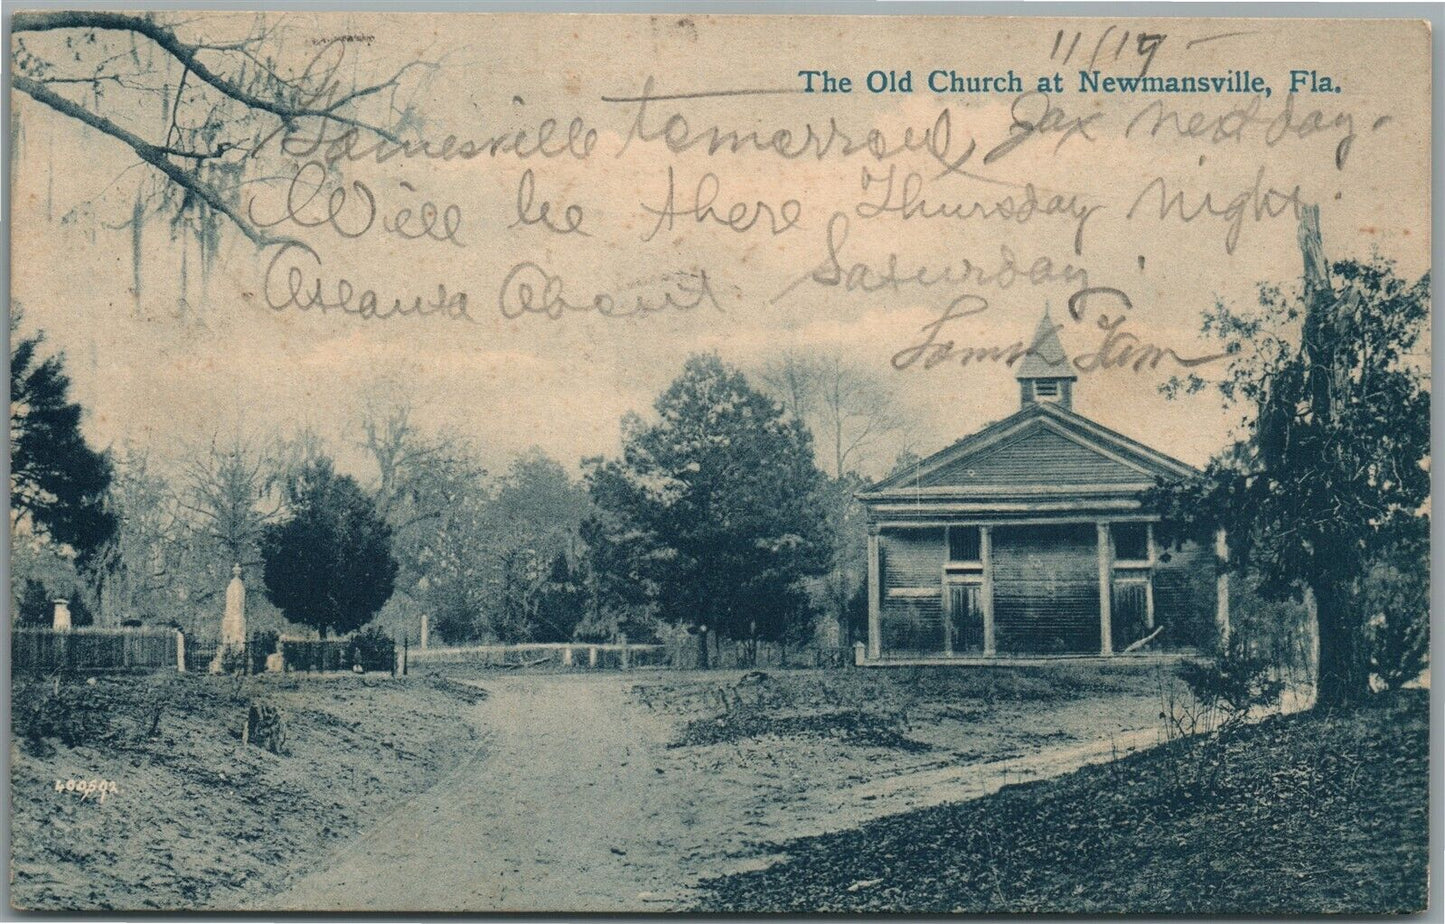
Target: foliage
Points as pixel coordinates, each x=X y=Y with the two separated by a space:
x=329 y=564
x=1231 y=686
x=70 y=713
x=711 y=516
x=1395 y=594
x=373 y=649
x=1334 y=465
x=34 y=607
x=57 y=482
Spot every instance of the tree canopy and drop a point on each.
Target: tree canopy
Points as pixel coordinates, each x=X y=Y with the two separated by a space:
x=328 y=564
x=1333 y=469
x=58 y=483
x=711 y=515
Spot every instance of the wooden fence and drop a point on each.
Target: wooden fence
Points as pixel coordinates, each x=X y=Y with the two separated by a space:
x=682 y=653
x=42 y=650
x=582 y=655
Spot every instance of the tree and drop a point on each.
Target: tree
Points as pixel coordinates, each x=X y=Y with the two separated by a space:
x=207 y=103
x=535 y=516
x=1334 y=468
x=714 y=508
x=328 y=564
x=847 y=408
x=229 y=495
x=57 y=482
x=34 y=606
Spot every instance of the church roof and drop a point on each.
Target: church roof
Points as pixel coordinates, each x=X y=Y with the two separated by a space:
x=1042 y=449
x=1046 y=358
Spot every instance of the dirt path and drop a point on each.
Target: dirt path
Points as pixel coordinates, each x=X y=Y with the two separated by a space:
x=576 y=804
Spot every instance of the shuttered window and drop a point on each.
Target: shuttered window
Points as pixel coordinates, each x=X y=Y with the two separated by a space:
x=1131 y=541
x=963 y=544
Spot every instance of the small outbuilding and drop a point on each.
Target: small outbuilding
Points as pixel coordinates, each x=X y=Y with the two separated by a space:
x=1029 y=538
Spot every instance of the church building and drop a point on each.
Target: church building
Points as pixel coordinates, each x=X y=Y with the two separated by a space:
x=1029 y=539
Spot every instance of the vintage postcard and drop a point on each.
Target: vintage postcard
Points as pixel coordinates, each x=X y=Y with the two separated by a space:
x=634 y=463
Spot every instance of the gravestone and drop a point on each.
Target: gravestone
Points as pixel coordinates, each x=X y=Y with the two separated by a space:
x=233 y=625
x=62 y=615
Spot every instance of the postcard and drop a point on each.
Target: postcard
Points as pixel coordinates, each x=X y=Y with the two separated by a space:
x=635 y=463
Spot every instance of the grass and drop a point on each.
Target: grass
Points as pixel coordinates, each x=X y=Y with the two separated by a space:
x=1310 y=813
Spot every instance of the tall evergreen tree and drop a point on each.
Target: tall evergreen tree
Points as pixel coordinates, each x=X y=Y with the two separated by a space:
x=57 y=483
x=715 y=508
x=329 y=564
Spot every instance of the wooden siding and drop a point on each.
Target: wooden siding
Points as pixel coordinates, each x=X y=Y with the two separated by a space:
x=911 y=620
x=912 y=558
x=912 y=626
x=1184 y=597
x=1039 y=456
x=1046 y=589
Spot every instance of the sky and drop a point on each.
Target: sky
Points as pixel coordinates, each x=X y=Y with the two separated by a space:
x=198 y=352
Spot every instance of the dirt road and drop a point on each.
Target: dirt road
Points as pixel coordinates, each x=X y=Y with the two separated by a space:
x=574 y=803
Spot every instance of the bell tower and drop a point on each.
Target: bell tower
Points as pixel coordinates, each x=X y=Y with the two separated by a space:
x=1045 y=374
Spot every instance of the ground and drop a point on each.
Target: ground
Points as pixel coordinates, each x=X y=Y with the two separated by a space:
x=607 y=792
x=200 y=820
x=658 y=790
x=1303 y=814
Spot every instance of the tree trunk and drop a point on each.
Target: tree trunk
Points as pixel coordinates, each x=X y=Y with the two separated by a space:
x=1343 y=678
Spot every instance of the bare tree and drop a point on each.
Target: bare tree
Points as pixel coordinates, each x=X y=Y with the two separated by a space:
x=849 y=409
x=230 y=494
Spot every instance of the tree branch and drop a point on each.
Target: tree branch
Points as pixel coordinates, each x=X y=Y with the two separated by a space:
x=152 y=154
x=187 y=56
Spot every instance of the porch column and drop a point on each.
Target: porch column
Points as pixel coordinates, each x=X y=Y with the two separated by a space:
x=1106 y=568
x=1149 y=581
x=1221 y=588
x=875 y=596
x=985 y=551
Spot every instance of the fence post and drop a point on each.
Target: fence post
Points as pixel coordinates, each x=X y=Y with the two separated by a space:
x=405 y=653
x=591 y=655
x=180 y=652
x=622 y=638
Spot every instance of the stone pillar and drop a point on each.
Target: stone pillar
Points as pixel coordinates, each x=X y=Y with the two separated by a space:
x=425 y=631
x=875 y=597
x=1106 y=569
x=985 y=551
x=61 y=620
x=233 y=623
x=180 y=652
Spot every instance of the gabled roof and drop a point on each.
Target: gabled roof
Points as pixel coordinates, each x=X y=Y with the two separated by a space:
x=1046 y=358
x=1044 y=448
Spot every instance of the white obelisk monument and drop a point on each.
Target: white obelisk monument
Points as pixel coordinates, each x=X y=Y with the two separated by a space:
x=233 y=623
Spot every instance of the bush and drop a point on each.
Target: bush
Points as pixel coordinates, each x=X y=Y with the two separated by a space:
x=34 y=607
x=1229 y=687
x=1396 y=601
x=69 y=713
x=263 y=643
x=373 y=649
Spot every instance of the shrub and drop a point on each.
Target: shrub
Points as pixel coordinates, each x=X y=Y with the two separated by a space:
x=1231 y=686
x=373 y=649
x=69 y=713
